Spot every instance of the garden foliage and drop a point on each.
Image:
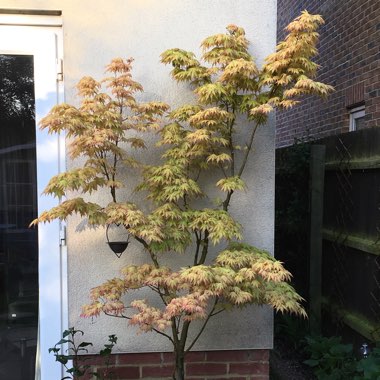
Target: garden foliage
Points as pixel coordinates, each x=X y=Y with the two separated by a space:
x=333 y=360
x=72 y=360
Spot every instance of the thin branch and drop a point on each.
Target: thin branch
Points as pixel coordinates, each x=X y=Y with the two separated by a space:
x=232 y=154
x=226 y=202
x=153 y=257
x=184 y=333
x=178 y=322
x=175 y=330
x=258 y=123
x=151 y=254
x=198 y=238
x=204 y=249
x=142 y=241
x=198 y=175
x=231 y=144
x=220 y=165
x=211 y=314
x=162 y=295
x=218 y=312
x=223 y=171
x=185 y=204
x=153 y=329
x=249 y=147
x=100 y=156
x=157 y=290
x=116 y=316
x=163 y=334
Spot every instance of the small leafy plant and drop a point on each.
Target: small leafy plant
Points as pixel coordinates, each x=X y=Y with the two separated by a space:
x=333 y=360
x=105 y=353
x=72 y=359
x=369 y=367
x=330 y=358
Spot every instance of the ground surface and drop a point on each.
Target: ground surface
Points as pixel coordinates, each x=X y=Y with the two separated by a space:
x=286 y=362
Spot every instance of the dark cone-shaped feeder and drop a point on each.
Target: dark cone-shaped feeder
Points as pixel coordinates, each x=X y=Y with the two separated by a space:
x=118 y=247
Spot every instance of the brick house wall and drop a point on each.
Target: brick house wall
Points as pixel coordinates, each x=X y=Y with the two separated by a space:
x=209 y=365
x=349 y=53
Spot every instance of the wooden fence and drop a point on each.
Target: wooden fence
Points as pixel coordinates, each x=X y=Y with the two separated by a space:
x=334 y=253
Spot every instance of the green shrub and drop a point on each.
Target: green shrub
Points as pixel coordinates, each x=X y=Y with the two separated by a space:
x=369 y=368
x=333 y=360
x=75 y=364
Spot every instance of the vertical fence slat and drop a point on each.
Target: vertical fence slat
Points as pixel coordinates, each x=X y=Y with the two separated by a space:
x=317 y=175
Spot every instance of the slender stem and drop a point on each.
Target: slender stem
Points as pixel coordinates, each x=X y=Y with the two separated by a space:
x=226 y=202
x=100 y=157
x=198 y=175
x=113 y=193
x=153 y=329
x=232 y=154
x=211 y=314
x=259 y=122
x=158 y=291
x=198 y=239
x=117 y=316
x=163 y=334
x=184 y=333
x=248 y=148
x=152 y=255
x=185 y=204
x=218 y=312
x=204 y=249
x=175 y=330
x=178 y=319
x=231 y=143
x=223 y=171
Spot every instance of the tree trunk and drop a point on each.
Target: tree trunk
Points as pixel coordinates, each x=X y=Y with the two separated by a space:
x=179 y=371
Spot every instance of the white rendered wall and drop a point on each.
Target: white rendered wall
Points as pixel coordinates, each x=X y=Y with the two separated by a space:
x=95 y=31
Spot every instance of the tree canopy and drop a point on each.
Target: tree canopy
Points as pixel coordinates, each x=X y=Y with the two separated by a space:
x=233 y=95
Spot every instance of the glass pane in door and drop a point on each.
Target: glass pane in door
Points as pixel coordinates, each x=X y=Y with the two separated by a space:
x=18 y=207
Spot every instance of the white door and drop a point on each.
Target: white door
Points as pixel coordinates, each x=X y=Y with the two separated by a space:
x=32 y=261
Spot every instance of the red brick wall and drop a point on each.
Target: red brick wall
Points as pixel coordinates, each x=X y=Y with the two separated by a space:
x=350 y=58
x=210 y=365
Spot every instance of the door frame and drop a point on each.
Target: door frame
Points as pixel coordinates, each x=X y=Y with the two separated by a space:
x=53 y=319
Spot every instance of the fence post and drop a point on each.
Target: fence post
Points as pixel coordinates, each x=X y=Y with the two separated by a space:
x=317 y=177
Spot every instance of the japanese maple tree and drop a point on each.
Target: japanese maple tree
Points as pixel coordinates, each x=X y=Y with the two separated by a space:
x=232 y=94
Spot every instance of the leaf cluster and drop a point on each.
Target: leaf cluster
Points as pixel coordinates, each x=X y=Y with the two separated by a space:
x=73 y=360
x=333 y=360
x=106 y=122
x=241 y=275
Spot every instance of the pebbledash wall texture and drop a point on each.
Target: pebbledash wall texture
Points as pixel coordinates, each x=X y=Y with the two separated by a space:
x=349 y=53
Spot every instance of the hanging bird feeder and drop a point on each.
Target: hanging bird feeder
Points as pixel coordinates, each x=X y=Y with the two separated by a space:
x=117 y=246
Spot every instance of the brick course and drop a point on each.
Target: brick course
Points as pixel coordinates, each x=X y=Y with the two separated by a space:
x=209 y=365
x=349 y=55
